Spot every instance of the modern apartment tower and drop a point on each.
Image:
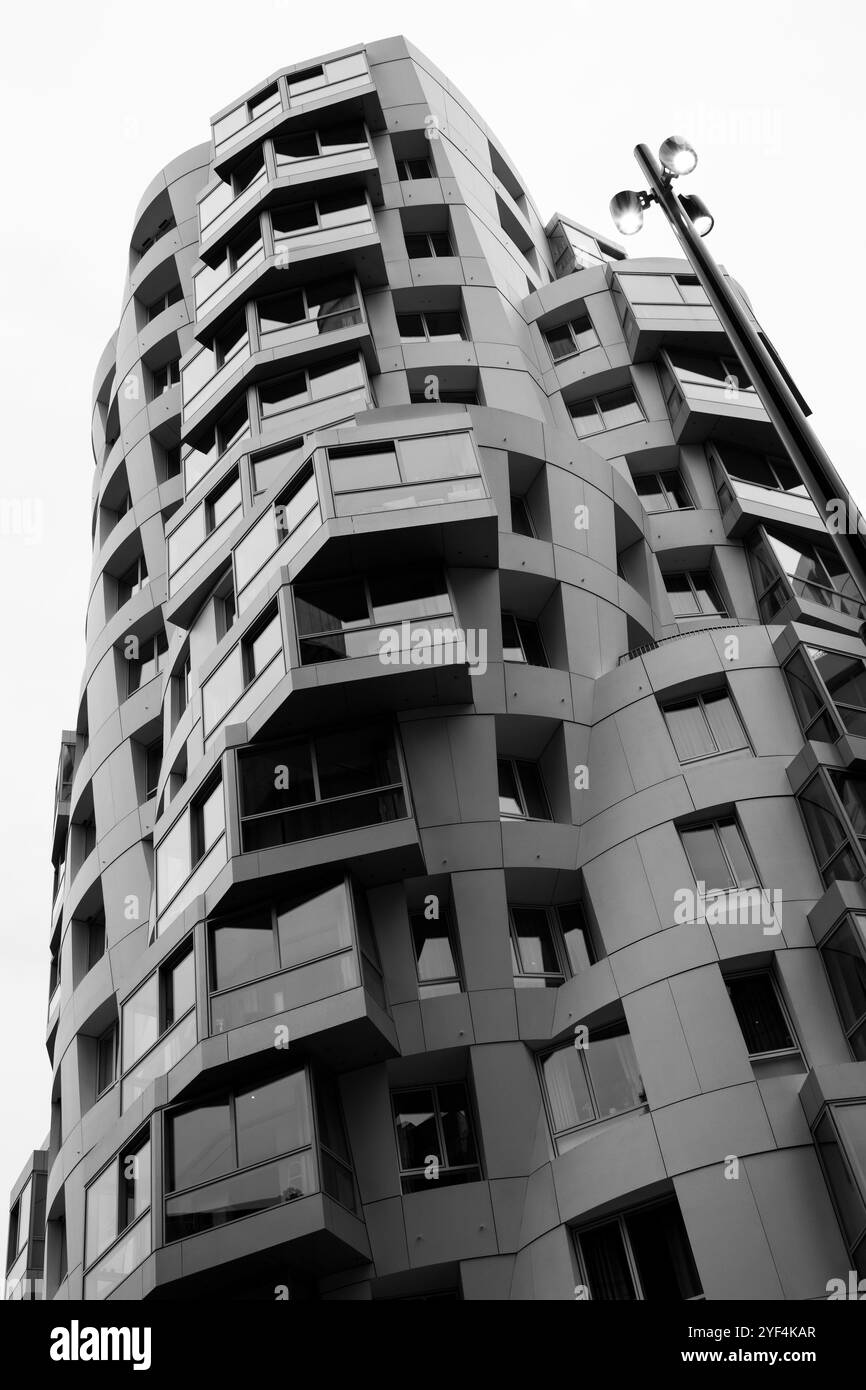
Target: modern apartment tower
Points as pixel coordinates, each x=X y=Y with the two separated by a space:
x=459 y=849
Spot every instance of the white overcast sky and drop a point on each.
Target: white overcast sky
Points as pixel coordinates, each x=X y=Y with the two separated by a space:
x=96 y=98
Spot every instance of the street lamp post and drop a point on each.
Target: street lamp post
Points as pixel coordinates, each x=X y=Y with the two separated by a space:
x=691 y=221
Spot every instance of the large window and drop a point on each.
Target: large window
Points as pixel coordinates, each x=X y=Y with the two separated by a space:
x=280 y=957
x=583 y=1086
x=191 y=837
x=521 y=791
x=578 y=335
x=705 y=726
x=824 y=684
x=231 y=428
x=783 y=567
x=756 y=477
x=347 y=139
x=421 y=245
x=436 y=960
x=719 y=856
x=521 y=641
x=304 y=788
x=445 y=326
x=713 y=379
x=144 y=667
x=761 y=1015
x=132 y=581
x=261 y=645
x=644 y=1254
x=19 y=1224
x=843 y=952
x=435 y=1137
x=548 y=944
x=158 y=1023
x=606 y=412
x=117 y=1227
x=293 y=517
x=313 y=309
x=694 y=595
x=840 y=1138
x=663 y=492
x=424 y=471
x=332 y=378
x=343 y=618
x=242 y=253
x=326 y=218
x=834 y=810
x=240 y=1154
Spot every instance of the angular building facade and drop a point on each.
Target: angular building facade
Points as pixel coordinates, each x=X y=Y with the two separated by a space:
x=459 y=849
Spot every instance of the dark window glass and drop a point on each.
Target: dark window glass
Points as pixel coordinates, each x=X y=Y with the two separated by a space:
x=106 y=1053
x=533 y=950
x=200 y=1144
x=760 y=1015
x=662 y=1253
x=289 y=148
x=606 y=1263
x=242 y=951
x=844 y=956
x=282 y=394
x=445 y=326
x=179 y=985
x=521 y=522
x=281 y=311
x=273 y=1119
x=808 y=700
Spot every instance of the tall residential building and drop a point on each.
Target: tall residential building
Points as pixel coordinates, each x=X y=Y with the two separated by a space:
x=459 y=847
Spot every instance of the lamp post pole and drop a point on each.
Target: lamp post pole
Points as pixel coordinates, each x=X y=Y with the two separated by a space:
x=805 y=449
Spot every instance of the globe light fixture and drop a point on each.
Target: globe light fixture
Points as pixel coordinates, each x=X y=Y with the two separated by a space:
x=678 y=156
x=626 y=209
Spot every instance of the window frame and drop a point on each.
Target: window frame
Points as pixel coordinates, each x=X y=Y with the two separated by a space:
x=714 y=823
x=363 y=581
x=618 y=1029
x=140 y=1139
x=659 y=476
x=421 y=314
x=517 y=620
x=556 y=932
x=516 y=765
x=598 y=403
x=857 y=920
x=109 y=1037
x=443 y=1169
x=569 y=324
x=851 y=841
x=700 y=700
x=721 y=612
x=621 y=1219
x=767 y=973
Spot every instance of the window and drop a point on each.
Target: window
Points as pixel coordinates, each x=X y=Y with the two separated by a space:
x=442 y=326
x=265 y=104
x=114 y=1202
x=713 y=379
x=705 y=726
x=167 y=225
x=132 y=581
x=834 y=810
x=207 y=820
x=422 y=471
x=843 y=952
x=435 y=1135
x=164 y=301
x=106 y=1059
x=694 y=595
x=331 y=378
x=761 y=1016
x=521 y=641
x=521 y=519
x=764 y=471
x=163 y=378
x=152 y=652
x=344 y=618
x=315 y=144
x=420 y=245
x=445 y=397
x=152 y=768
x=578 y=335
x=158 y=1024
x=583 y=1085
x=606 y=412
x=95 y=939
x=411 y=169
x=663 y=492
x=547 y=944
x=269 y=465
x=182 y=683
x=223 y=504
x=663 y=289
x=334 y=782
x=521 y=791
x=435 y=955
x=719 y=856
x=808 y=695
x=333 y=212
x=840 y=1139
x=246 y=249
x=252 y=1150
x=644 y=1254
x=782 y=566
x=326 y=306
x=19 y=1223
